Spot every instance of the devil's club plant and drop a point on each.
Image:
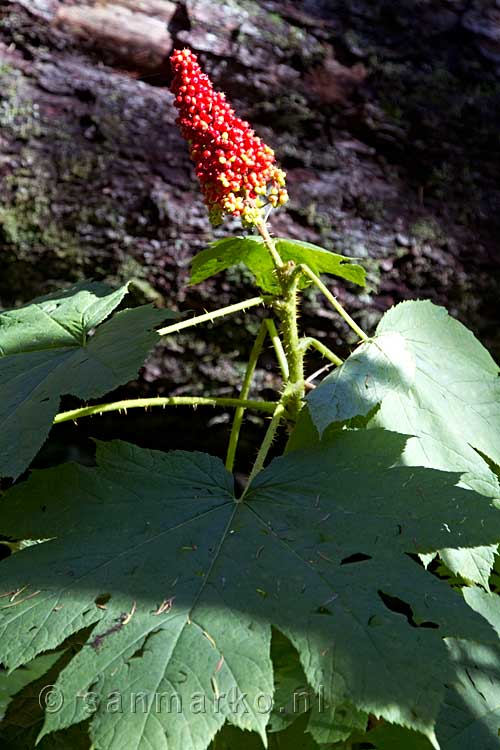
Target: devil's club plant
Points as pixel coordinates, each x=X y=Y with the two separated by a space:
x=346 y=598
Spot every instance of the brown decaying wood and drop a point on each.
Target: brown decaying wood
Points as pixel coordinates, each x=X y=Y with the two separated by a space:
x=142 y=41
x=163 y=9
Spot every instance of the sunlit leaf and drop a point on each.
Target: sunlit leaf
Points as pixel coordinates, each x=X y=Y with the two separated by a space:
x=60 y=345
x=252 y=252
x=422 y=374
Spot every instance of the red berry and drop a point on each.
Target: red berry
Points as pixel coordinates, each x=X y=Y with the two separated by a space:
x=234 y=167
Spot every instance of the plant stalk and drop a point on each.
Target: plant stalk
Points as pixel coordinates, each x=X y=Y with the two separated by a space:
x=245 y=389
x=278 y=348
x=253 y=302
x=286 y=307
x=310 y=342
x=269 y=243
x=266 y=445
x=145 y=403
x=334 y=302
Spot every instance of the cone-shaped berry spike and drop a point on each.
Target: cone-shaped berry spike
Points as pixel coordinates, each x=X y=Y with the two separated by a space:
x=237 y=171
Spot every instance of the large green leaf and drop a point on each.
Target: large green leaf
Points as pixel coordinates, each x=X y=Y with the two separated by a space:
x=430 y=378
x=327 y=723
x=393 y=737
x=10 y=684
x=182 y=582
x=252 y=252
x=470 y=714
x=292 y=695
x=24 y=719
x=59 y=345
x=294 y=737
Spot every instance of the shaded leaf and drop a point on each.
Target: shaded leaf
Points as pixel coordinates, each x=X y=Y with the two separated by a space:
x=195 y=579
x=331 y=724
x=392 y=737
x=12 y=683
x=470 y=714
x=294 y=737
x=293 y=697
x=292 y=694
x=24 y=719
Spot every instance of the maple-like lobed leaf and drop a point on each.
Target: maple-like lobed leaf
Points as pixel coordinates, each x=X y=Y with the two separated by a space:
x=60 y=345
x=193 y=578
x=425 y=375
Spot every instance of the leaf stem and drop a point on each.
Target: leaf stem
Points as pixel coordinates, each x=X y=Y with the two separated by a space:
x=269 y=243
x=317 y=373
x=145 y=403
x=308 y=342
x=266 y=445
x=334 y=302
x=253 y=302
x=245 y=389
x=278 y=348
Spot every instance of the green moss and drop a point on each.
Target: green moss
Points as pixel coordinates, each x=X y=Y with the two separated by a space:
x=289 y=111
x=426 y=230
x=18 y=114
x=41 y=218
x=275 y=30
x=318 y=220
x=26 y=217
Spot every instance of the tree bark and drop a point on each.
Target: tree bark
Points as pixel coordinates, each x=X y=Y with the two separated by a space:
x=384 y=119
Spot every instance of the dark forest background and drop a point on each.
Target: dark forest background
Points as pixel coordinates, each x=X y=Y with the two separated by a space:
x=384 y=114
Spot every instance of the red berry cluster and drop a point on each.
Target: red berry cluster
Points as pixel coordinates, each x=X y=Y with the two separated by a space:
x=237 y=171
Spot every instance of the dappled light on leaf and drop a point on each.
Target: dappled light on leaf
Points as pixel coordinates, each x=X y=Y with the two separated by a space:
x=180 y=621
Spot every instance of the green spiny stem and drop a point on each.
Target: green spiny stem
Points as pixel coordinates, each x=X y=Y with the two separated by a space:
x=245 y=389
x=334 y=302
x=269 y=243
x=145 y=403
x=253 y=302
x=266 y=445
x=278 y=348
x=286 y=307
x=308 y=342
